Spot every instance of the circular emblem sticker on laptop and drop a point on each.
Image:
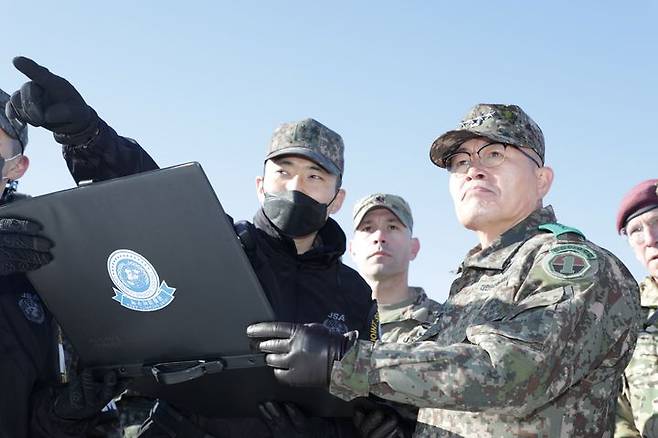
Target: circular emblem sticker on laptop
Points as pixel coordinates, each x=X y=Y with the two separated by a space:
x=137 y=283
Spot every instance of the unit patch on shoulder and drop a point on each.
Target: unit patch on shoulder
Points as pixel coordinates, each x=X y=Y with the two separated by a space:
x=30 y=304
x=580 y=249
x=567 y=263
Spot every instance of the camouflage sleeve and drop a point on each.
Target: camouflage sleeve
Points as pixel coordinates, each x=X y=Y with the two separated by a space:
x=642 y=378
x=624 y=423
x=560 y=329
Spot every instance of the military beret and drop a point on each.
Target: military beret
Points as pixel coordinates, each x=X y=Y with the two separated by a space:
x=638 y=200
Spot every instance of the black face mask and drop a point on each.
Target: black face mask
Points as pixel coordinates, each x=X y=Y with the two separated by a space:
x=295 y=214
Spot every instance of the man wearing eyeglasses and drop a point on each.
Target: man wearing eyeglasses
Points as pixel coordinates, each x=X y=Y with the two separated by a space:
x=536 y=331
x=638 y=405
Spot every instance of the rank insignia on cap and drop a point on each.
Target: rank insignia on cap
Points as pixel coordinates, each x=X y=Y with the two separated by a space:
x=567 y=264
x=476 y=121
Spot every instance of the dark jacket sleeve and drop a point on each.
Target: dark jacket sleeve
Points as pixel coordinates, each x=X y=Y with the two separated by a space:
x=107 y=155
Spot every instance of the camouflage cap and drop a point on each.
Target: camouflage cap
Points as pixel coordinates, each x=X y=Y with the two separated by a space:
x=311 y=139
x=14 y=128
x=395 y=204
x=504 y=123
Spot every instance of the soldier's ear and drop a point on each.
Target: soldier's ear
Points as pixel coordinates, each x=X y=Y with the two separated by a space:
x=17 y=168
x=415 y=248
x=349 y=247
x=544 y=180
x=337 y=202
x=260 y=191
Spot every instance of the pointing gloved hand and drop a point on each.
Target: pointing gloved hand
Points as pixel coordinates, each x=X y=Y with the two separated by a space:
x=380 y=422
x=85 y=397
x=285 y=420
x=301 y=354
x=22 y=249
x=52 y=102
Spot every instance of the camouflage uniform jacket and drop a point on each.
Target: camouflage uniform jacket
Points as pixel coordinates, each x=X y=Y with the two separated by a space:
x=532 y=341
x=641 y=375
x=408 y=319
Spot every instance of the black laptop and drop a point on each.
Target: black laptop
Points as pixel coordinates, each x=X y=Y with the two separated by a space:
x=148 y=275
x=150 y=279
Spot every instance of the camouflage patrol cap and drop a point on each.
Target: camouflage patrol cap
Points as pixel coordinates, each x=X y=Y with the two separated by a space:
x=395 y=204
x=13 y=128
x=311 y=139
x=504 y=123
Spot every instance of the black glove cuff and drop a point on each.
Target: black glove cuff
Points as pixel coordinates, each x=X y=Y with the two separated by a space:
x=83 y=137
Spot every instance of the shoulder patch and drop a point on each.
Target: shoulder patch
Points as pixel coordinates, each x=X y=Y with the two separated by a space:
x=580 y=249
x=30 y=304
x=567 y=263
x=559 y=229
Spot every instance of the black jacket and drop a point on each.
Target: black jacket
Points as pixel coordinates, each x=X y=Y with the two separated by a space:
x=27 y=355
x=312 y=287
x=29 y=364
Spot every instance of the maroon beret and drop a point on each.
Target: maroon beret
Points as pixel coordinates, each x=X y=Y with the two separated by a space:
x=638 y=200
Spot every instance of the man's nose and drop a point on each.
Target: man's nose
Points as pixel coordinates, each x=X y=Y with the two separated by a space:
x=475 y=170
x=378 y=236
x=295 y=183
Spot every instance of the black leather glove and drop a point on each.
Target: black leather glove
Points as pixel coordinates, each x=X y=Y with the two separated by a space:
x=380 y=423
x=21 y=248
x=301 y=355
x=285 y=420
x=85 y=396
x=52 y=102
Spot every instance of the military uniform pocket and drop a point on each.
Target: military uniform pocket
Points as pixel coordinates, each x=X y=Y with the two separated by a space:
x=528 y=322
x=541 y=299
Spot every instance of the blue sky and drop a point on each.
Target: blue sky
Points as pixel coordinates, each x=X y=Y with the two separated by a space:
x=209 y=82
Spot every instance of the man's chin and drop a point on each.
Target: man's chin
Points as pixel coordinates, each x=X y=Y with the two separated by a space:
x=474 y=219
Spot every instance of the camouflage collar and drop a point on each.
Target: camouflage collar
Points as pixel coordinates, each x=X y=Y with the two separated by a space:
x=649 y=292
x=497 y=255
x=413 y=308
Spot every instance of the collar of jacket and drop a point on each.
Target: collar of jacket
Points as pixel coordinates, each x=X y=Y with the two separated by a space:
x=501 y=251
x=649 y=292
x=415 y=308
x=329 y=246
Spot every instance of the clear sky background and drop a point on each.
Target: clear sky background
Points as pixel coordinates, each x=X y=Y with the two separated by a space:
x=209 y=82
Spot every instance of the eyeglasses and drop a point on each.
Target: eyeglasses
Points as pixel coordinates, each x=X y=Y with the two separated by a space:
x=490 y=155
x=637 y=232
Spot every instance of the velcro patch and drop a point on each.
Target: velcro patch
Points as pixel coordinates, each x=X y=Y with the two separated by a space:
x=568 y=263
